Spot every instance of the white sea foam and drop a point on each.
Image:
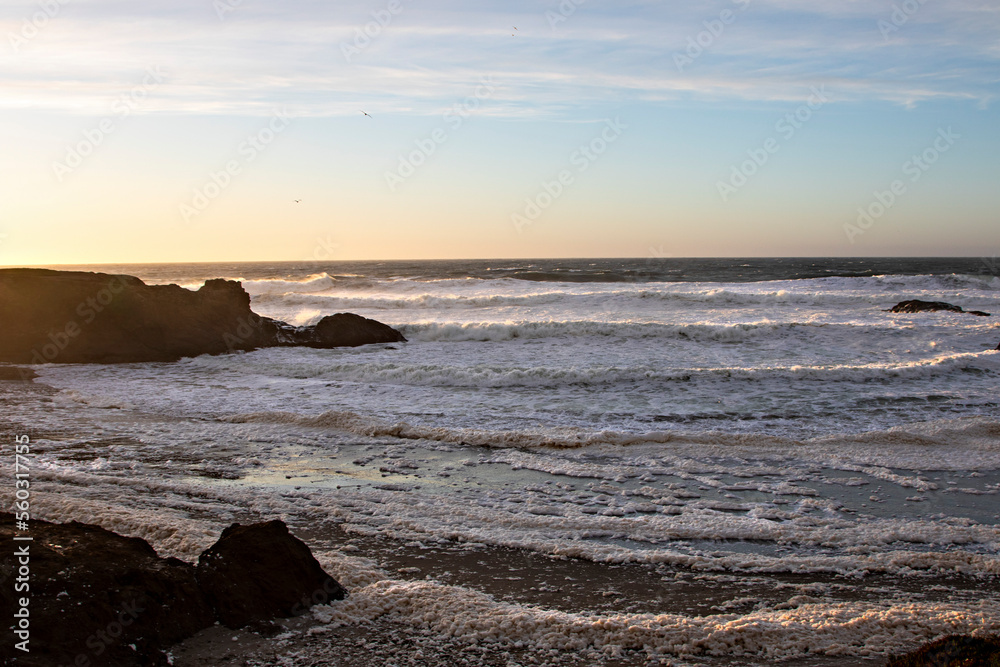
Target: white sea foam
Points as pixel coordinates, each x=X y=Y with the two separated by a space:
x=955 y=437
x=322 y=293
x=502 y=331
x=310 y=284
x=857 y=629
x=631 y=526
x=778 y=426
x=444 y=374
x=802 y=626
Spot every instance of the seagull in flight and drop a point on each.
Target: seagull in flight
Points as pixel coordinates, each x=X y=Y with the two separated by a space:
x=297 y=201
x=366 y=113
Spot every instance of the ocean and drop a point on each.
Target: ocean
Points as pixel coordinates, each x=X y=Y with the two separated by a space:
x=727 y=417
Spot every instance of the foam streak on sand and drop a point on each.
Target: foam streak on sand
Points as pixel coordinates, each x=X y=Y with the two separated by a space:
x=578 y=507
x=855 y=629
x=803 y=626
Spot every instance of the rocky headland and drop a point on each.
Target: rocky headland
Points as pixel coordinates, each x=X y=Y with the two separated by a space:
x=79 y=317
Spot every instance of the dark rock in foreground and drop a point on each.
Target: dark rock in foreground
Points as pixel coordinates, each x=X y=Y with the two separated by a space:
x=258 y=572
x=78 y=317
x=918 y=306
x=99 y=595
x=953 y=651
x=97 y=598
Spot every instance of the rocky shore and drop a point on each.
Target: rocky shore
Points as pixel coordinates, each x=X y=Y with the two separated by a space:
x=79 y=317
x=100 y=598
x=97 y=598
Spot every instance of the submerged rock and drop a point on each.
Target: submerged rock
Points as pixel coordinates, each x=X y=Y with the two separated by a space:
x=953 y=651
x=258 y=572
x=78 y=317
x=918 y=306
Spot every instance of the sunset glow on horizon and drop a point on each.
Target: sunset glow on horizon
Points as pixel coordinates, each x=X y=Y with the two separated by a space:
x=237 y=130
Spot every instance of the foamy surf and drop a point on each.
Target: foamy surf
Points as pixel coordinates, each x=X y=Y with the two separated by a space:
x=759 y=419
x=932 y=443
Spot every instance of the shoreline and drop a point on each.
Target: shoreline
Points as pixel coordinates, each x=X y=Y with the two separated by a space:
x=531 y=582
x=527 y=578
x=496 y=582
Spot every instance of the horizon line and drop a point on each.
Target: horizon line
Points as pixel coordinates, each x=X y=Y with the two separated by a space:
x=645 y=258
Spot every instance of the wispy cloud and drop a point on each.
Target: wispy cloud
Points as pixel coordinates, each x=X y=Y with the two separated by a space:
x=264 y=55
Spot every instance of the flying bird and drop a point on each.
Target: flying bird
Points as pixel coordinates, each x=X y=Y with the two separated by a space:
x=297 y=201
x=366 y=113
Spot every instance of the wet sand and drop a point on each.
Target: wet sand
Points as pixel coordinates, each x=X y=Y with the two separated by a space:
x=514 y=576
x=564 y=584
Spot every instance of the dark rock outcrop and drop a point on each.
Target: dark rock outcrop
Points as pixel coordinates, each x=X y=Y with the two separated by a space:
x=340 y=330
x=953 y=651
x=99 y=595
x=918 y=306
x=258 y=572
x=78 y=317
x=17 y=374
x=113 y=601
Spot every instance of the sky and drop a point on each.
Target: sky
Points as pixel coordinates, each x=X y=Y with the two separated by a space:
x=251 y=130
